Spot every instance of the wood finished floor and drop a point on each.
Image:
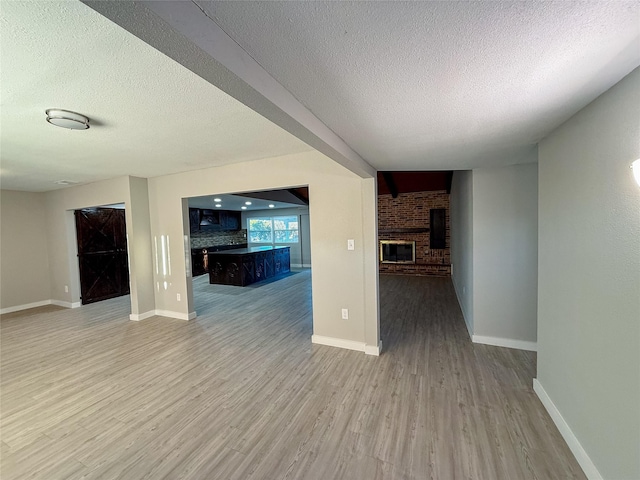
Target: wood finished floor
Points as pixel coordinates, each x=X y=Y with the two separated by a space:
x=241 y=393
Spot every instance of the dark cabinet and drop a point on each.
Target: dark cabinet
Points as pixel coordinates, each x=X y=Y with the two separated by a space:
x=203 y=219
x=242 y=267
x=229 y=220
x=200 y=259
x=194 y=219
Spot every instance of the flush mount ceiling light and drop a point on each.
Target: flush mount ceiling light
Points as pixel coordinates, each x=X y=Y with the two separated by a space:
x=67 y=119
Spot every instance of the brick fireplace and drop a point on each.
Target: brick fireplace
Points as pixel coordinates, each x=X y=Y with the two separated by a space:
x=407 y=218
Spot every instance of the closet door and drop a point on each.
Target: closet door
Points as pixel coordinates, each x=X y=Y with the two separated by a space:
x=102 y=253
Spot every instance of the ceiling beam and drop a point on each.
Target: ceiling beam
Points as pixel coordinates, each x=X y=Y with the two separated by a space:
x=391 y=184
x=449 y=180
x=186 y=33
x=296 y=193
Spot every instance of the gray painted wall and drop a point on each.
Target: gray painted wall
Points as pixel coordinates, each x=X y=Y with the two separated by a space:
x=24 y=268
x=461 y=217
x=589 y=278
x=505 y=252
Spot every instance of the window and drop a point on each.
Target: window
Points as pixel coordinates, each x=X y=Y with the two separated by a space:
x=273 y=229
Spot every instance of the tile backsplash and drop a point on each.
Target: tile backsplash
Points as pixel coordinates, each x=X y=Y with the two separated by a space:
x=212 y=239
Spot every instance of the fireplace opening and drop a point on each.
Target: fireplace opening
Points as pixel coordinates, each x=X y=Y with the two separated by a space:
x=397 y=251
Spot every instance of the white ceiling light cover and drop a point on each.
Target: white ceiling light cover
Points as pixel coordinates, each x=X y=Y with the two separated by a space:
x=67 y=119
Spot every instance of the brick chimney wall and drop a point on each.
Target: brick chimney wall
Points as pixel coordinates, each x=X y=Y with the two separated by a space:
x=412 y=210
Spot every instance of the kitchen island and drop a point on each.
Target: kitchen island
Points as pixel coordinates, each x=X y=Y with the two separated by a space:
x=244 y=266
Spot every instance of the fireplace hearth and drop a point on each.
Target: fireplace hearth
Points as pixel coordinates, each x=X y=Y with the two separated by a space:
x=397 y=251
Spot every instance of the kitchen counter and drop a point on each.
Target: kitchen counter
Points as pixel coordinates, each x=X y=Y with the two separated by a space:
x=199 y=260
x=244 y=266
x=243 y=251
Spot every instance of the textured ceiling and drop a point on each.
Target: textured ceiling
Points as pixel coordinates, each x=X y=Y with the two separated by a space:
x=407 y=85
x=259 y=201
x=439 y=85
x=149 y=115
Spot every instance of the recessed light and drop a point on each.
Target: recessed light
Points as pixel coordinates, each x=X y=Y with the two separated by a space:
x=247 y=203
x=271 y=205
x=218 y=205
x=217 y=199
x=243 y=208
x=65 y=182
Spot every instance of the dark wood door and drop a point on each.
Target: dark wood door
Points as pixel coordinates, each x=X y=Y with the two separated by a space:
x=102 y=254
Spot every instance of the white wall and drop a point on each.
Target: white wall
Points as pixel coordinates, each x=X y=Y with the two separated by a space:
x=341 y=204
x=305 y=240
x=61 y=240
x=299 y=254
x=24 y=260
x=589 y=281
x=494 y=220
x=343 y=207
x=461 y=217
x=505 y=255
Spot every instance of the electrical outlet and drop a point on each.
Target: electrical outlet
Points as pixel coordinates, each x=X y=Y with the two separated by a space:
x=345 y=314
x=66 y=289
x=351 y=245
x=178 y=296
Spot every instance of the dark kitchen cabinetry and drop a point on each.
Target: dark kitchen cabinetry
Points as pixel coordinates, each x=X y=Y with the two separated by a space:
x=244 y=266
x=200 y=261
x=203 y=219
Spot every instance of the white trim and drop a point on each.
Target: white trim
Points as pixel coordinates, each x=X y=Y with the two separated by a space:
x=576 y=448
x=26 y=306
x=136 y=317
x=506 y=342
x=64 y=304
x=373 y=349
x=306 y=265
x=466 y=321
x=178 y=315
x=338 y=342
x=42 y=303
x=296 y=265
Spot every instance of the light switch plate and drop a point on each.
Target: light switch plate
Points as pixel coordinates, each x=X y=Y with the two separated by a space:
x=351 y=244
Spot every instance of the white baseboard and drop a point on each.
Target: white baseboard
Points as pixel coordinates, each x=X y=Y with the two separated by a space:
x=581 y=455
x=338 y=342
x=42 y=303
x=347 y=344
x=178 y=315
x=136 y=317
x=64 y=304
x=306 y=265
x=26 y=306
x=466 y=321
x=505 y=342
x=373 y=349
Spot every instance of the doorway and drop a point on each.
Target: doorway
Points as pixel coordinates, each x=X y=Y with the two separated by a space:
x=229 y=234
x=102 y=253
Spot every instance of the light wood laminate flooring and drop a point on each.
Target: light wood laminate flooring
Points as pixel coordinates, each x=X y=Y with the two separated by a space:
x=241 y=393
